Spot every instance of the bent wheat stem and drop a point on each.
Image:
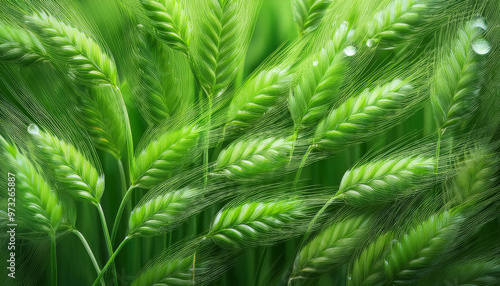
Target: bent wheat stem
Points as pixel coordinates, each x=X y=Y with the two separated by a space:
x=118 y=216
x=89 y=252
x=302 y=164
x=111 y=259
x=53 y=260
x=109 y=247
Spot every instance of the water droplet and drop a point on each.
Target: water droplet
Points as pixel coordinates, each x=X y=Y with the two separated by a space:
x=386 y=262
x=350 y=33
x=370 y=43
x=349 y=277
x=481 y=46
x=350 y=51
x=480 y=22
x=315 y=62
x=140 y=26
x=220 y=93
x=33 y=129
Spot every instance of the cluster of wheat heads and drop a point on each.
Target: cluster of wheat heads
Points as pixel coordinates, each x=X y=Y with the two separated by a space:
x=364 y=151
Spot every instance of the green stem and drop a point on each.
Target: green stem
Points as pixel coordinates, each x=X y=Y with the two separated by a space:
x=111 y=259
x=89 y=252
x=108 y=240
x=53 y=260
x=125 y=199
x=123 y=180
x=207 y=142
x=259 y=266
x=438 y=148
x=302 y=164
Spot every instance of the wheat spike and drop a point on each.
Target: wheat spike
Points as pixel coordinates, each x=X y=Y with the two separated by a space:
x=368 y=268
x=330 y=248
x=73 y=48
x=418 y=250
x=456 y=80
x=170 y=22
x=164 y=155
x=399 y=20
x=251 y=157
x=39 y=203
x=319 y=82
x=309 y=13
x=161 y=213
x=70 y=167
x=255 y=223
x=359 y=118
x=224 y=35
x=385 y=180
x=20 y=47
x=258 y=96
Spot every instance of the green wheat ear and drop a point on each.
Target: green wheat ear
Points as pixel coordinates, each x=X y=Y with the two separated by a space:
x=399 y=20
x=170 y=22
x=164 y=155
x=419 y=249
x=41 y=210
x=255 y=223
x=223 y=37
x=465 y=272
x=319 y=81
x=198 y=263
x=20 y=46
x=309 y=13
x=368 y=268
x=71 y=168
x=359 y=118
x=98 y=109
x=456 y=81
x=257 y=96
x=164 y=211
x=330 y=248
x=249 y=158
x=72 y=48
x=385 y=180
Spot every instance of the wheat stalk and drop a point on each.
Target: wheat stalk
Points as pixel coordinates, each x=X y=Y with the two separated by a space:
x=73 y=48
x=359 y=118
x=255 y=223
x=20 y=46
x=330 y=248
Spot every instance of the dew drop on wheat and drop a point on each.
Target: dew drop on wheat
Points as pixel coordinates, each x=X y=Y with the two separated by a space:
x=481 y=46
x=480 y=22
x=33 y=129
x=350 y=51
x=370 y=43
x=140 y=26
x=315 y=62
